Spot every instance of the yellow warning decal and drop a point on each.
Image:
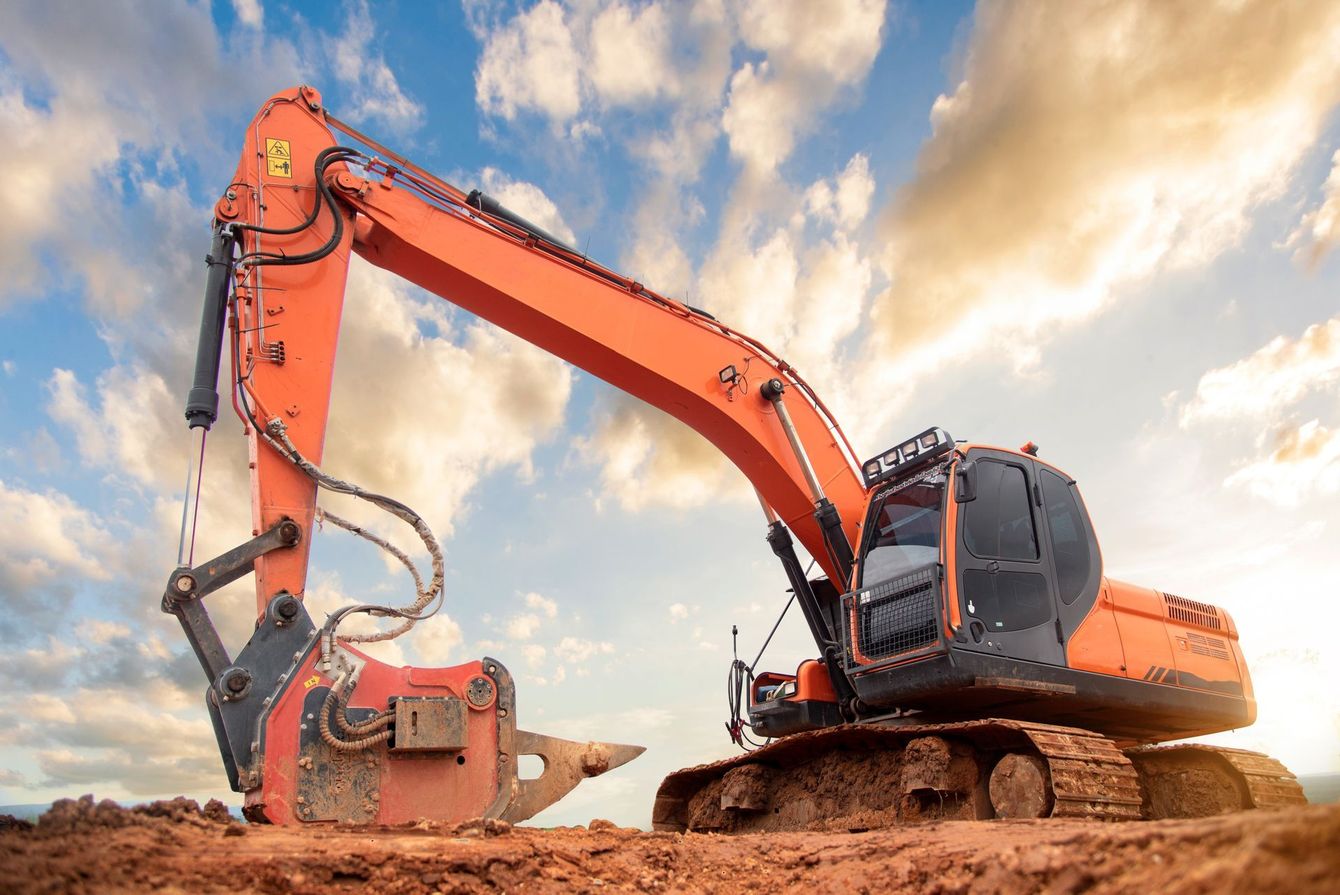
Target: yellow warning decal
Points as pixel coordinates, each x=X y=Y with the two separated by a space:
x=311 y=682
x=278 y=158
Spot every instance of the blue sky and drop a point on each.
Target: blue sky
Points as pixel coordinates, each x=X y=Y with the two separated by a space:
x=1106 y=228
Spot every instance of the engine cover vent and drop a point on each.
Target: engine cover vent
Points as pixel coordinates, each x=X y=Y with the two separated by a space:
x=1191 y=612
x=1207 y=646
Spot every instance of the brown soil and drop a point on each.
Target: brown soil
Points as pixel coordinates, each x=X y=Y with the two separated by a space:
x=175 y=847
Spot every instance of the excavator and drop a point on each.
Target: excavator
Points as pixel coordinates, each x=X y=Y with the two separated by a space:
x=973 y=659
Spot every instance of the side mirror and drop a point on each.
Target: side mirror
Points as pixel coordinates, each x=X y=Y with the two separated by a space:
x=965 y=482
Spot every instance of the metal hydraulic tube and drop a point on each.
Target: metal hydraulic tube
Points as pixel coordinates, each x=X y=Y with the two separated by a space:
x=825 y=513
x=779 y=539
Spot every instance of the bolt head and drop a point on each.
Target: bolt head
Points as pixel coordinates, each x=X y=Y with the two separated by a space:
x=184 y=584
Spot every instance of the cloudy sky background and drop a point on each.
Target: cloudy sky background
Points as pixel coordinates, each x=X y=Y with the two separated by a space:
x=1107 y=227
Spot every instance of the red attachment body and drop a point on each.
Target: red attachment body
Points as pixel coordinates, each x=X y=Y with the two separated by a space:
x=306 y=780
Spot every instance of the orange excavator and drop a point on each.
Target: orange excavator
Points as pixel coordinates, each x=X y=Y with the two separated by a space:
x=972 y=658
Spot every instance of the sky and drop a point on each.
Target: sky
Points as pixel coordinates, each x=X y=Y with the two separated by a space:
x=1108 y=228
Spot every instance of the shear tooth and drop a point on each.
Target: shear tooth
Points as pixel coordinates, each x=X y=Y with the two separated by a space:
x=566 y=763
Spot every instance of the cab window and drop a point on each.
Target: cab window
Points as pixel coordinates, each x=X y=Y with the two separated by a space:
x=999 y=523
x=905 y=532
x=1070 y=541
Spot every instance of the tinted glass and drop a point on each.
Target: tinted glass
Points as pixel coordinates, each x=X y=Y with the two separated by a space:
x=999 y=524
x=1070 y=540
x=906 y=534
x=1006 y=601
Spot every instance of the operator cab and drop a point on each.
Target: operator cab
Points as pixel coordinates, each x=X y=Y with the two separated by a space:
x=975 y=570
x=1003 y=563
x=969 y=558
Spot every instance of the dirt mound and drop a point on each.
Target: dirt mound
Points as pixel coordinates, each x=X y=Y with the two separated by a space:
x=83 y=846
x=84 y=815
x=11 y=824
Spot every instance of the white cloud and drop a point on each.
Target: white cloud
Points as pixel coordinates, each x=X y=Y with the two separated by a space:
x=493 y=399
x=55 y=155
x=545 y=605
x=45 y=535
x=649 y=458
x=1304 y=463
x=678 y=612
x=135 y=417
x=1087 y=148
x=102 y=632
x=813 y=50
x=1319 y=230
x=100 y=107
x=844 y=201
x=530 y=64
x=579 y=651
x=681 y=55
x=433 y=642
x=374 y=90
x=1272 y=378
x=249 y=12
x=630 y=54
x=522 y=627
x=534 y=654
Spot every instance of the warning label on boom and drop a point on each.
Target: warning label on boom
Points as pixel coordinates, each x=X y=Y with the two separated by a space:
x=278 y=159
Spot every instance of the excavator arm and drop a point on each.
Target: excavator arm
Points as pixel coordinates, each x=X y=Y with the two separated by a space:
x=301 y=705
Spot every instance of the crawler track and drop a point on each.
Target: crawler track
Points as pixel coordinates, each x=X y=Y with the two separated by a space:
x=1194 y=780
x=867 y=776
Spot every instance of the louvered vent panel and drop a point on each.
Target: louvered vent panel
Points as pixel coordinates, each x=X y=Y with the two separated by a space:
x=1207 y=646
x=1191 y=612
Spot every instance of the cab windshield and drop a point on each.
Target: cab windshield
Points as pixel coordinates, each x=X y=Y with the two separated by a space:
x=904 y=532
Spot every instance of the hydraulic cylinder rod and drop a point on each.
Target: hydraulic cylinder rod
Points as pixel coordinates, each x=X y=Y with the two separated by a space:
x=825 y=513
x=202 y=402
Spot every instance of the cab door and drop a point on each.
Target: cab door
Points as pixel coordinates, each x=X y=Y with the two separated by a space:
x=1077 y=565
x=1006 y=588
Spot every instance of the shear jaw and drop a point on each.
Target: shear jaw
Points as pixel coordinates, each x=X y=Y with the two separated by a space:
x=566 y=763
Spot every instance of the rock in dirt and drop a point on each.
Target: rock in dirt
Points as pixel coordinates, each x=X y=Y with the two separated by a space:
x=480 y=826
x=9 y=823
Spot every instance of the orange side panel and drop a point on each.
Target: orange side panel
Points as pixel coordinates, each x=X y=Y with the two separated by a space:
x=812 y=682
x=1171 y=640
x=1143 y=625
x=949 y=556
x=1096 y=644
x=1208 y=653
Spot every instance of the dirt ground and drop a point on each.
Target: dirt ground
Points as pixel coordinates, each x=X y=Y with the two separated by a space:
x=82 y=846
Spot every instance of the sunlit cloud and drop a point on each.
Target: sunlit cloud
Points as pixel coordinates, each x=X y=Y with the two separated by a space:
x=1318 y=232
x=1086 y=148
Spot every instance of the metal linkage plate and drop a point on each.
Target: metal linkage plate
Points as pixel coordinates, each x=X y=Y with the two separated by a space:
x=429 y=724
